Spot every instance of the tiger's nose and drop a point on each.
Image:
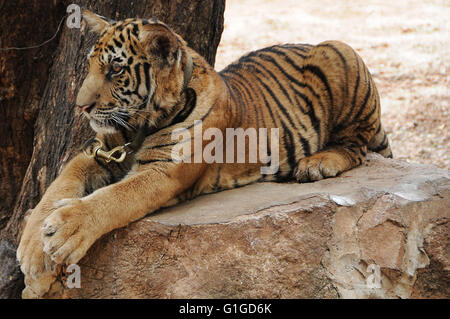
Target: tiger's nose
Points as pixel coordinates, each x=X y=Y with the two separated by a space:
x=87 y=107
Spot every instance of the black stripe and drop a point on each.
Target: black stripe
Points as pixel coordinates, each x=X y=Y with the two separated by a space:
x=191 y=100
x=162 y=145
x=363 y=140
x=383 y=145
x=366 y=98
x=126 y=134
x=287 y=59
x=311 y=114
x=278 y=176
x=132 y=50
x=282 y=70
x=369 y=127
x=365 y=118
x=239 y=109
x=247 y=57
x=106 y=141
x=244 y=83
x=355 y=95
x=378 y=129
x=351 y=148
x=344 y=87
x=147 y=76
x=216 y=187
x=341 y=56
x=145 y=162
x=275 y=78
x=305 y=145
x=273 y=96
x=362 y=152
x=319 y=73
x=314 y=120
x=379 y=148
x=193 y=124
x=236 y=105
x=297 y=53
x=302 y=85
x=240 y=100
x=384 y=141
x=287 y=95
x=111 y=48
x=299 y=46
x=117 y=43
x=111 y=177
x=138 y=79
x=290 y=148
x=135 y=29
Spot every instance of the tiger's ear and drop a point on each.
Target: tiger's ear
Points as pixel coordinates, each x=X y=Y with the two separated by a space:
x=159 y=41
x=95 y=22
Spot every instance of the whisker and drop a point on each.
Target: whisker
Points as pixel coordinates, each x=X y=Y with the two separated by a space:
x=121 y=121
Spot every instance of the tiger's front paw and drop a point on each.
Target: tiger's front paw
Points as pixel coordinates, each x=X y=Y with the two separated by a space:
x=319 y=166
x=38 y=268
x=69 y=231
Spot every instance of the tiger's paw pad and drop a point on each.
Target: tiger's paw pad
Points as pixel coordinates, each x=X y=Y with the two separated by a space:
x=316 y=167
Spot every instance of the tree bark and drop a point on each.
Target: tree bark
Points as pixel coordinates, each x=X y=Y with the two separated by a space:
x=23 y=75
x=37 y=113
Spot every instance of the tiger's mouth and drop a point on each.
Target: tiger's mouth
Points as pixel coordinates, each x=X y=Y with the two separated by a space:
x=110 y=122
x=112 y=119
x=102 y=127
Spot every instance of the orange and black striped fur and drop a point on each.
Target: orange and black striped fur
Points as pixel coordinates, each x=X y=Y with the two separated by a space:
x=322 y=99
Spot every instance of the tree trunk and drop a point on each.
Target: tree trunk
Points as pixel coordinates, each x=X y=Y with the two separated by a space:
x=39 y=132
x=23 y=74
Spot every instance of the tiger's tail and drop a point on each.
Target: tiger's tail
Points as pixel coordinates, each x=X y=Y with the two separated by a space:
x=380 y=143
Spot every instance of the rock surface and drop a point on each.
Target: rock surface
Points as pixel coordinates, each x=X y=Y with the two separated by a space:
x=377 y=231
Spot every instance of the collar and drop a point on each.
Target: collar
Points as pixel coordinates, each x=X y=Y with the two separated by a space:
x=188 y=72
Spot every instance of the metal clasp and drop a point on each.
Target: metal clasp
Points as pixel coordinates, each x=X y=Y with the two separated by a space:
x=97 y=151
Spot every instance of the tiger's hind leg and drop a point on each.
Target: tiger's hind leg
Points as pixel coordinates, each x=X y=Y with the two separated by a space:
x=331 y=161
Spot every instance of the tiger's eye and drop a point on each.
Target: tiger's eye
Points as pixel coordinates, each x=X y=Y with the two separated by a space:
x=116 y=68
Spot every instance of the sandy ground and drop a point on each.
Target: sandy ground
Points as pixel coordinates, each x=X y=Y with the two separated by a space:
x=406 y=45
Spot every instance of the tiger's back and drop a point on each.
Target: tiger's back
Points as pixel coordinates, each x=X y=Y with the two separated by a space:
x=322 y=99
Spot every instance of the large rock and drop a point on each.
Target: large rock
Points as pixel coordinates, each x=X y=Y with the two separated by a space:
x=380 y=230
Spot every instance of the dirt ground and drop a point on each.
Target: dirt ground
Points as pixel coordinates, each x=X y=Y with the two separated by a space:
x=405 y=43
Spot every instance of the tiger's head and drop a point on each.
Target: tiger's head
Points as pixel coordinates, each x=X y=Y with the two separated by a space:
x=137 y=71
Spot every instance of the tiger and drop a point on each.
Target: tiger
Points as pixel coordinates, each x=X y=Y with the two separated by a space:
x=144 y=82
